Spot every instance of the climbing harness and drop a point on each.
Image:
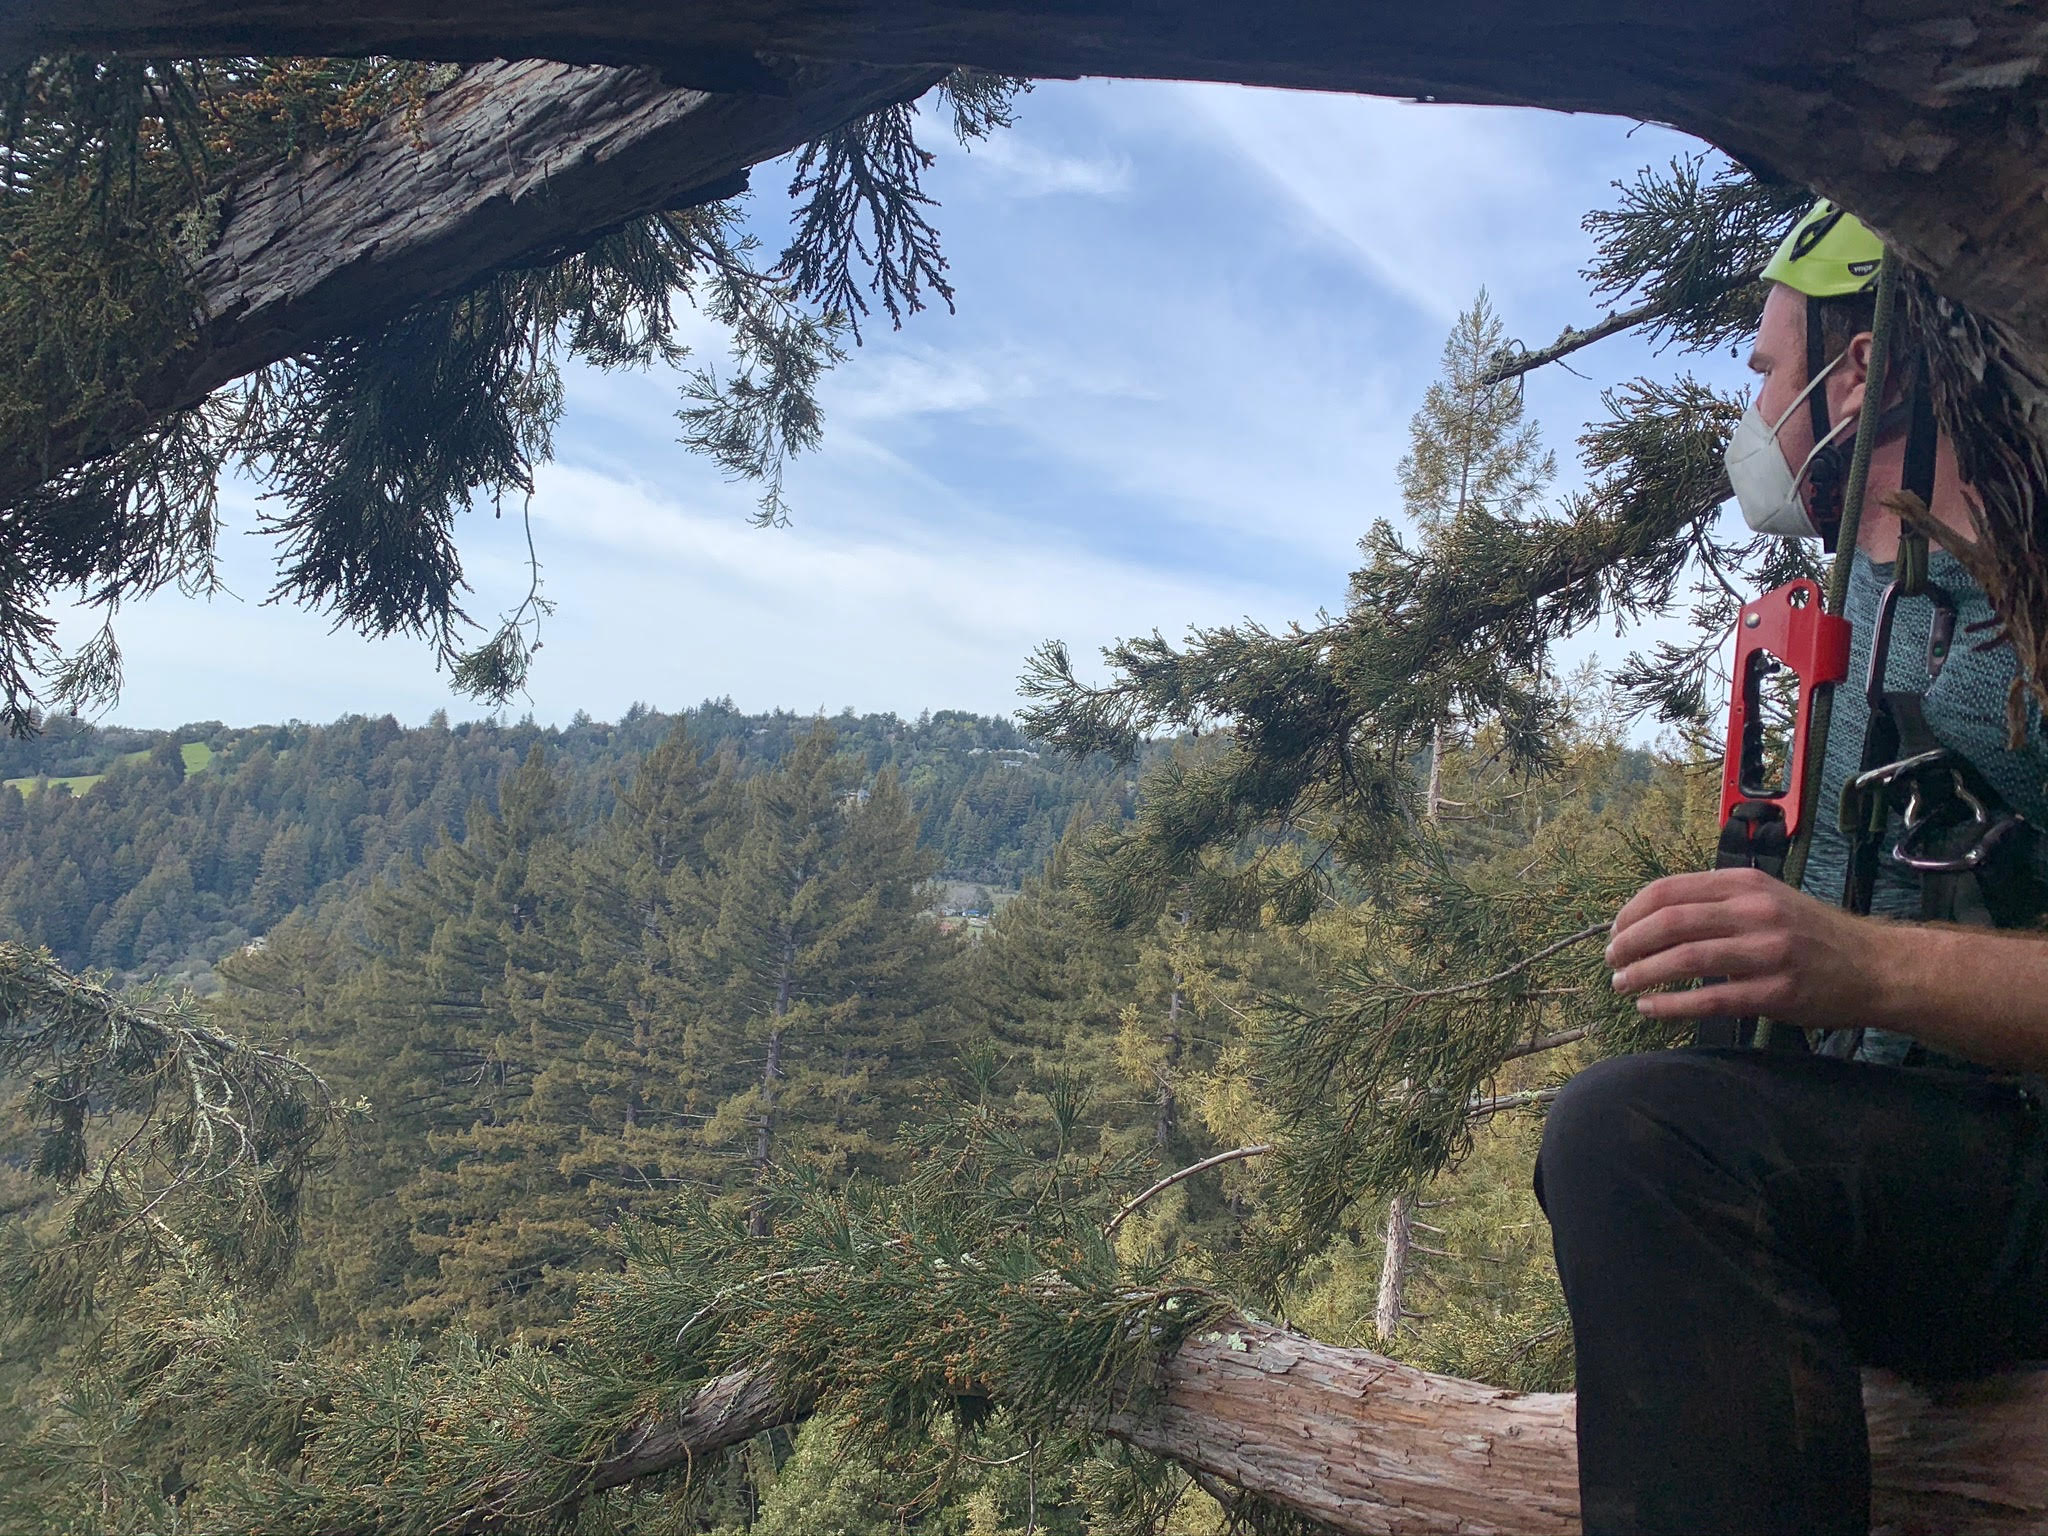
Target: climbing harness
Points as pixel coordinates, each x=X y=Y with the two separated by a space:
x=1956 y=834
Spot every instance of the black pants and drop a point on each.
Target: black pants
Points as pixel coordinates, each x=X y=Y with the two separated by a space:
x=1738 y=1233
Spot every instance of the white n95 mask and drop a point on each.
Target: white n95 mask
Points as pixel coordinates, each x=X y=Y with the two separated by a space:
x=1765 y=487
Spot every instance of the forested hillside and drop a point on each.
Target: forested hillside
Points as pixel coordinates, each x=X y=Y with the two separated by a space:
x=678 y=1031
x=155 y=853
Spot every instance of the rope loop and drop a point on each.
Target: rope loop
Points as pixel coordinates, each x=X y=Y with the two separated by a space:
x=1911 y=570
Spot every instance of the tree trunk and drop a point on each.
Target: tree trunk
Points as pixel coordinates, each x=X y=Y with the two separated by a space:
x=764 y=1131
x=1386 y=1317
x=771 y=1074
x=509 y=164
x=1925 y=116
x=1367 y=1445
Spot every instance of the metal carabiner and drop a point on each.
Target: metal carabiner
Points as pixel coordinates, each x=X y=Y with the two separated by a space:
x=1885 y=773
x=1876 y=664
x=1941 y=631
x=1989 y=833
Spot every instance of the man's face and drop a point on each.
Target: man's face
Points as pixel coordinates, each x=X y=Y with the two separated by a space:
x=1779 y=361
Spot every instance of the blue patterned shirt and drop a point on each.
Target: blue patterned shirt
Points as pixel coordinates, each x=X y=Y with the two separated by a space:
x=1965 y=708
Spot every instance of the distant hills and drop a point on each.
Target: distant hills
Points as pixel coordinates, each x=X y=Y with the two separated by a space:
x=157 y=852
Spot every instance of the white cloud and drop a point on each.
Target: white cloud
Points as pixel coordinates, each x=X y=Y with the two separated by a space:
x=1023 y=168
x=675 y=601
x=669 y=596
x=919 y=380
x=1435 y=200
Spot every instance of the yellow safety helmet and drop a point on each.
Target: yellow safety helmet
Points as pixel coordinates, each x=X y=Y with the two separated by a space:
x=1830 y=253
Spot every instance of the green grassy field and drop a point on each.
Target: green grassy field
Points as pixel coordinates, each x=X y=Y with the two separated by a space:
x=197 y=756
x=77 y=783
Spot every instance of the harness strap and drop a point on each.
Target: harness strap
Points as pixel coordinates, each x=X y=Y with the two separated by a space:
x=1920 y=440
x=1864 y=818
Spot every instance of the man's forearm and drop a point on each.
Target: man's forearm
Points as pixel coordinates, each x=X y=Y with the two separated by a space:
x=1969 y=992
x=1761 y=947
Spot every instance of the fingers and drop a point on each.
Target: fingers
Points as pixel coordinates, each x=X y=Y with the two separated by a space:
x=1743 y=956
x=1673 y=925
x=1770 y=949
x=1738 y=998
x=1709 y=885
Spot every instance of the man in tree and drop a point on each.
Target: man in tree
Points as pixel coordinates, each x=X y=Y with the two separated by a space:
x=1738 y=1231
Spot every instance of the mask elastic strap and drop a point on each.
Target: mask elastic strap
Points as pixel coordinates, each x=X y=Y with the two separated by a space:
x=1812 y=393
x=1846 y=424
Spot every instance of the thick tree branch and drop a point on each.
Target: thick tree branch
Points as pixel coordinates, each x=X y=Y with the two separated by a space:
x=725 y=1412
x=1366 y=1444
x=1925 y=116
x=509 y=164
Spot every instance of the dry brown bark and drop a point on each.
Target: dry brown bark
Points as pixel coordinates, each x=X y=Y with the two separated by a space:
x=1926 y=116
x=1368 y=1445
x=508 y=164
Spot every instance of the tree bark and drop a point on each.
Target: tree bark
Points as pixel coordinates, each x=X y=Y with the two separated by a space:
x=1400 y=1230
x=1386 y=1317
x=1370 y=1446
x=509 y=164
x=1925 y=116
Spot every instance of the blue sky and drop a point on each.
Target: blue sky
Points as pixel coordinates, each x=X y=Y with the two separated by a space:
x=1193 y=322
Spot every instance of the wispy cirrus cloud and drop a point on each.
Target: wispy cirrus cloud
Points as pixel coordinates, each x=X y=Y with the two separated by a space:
x=1019 y=167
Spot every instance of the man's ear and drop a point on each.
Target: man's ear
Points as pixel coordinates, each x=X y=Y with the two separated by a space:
x=1846 y=384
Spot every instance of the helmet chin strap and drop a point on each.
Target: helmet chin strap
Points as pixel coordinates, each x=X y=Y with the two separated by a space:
x=1920 y=439
x=1830 y=468
x=1817 y=410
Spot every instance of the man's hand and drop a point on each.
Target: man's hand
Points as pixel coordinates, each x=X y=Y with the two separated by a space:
x=1783 y=954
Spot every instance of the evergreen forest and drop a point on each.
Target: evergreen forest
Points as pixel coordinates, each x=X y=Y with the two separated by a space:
x=153 y=854
x=598 y=1034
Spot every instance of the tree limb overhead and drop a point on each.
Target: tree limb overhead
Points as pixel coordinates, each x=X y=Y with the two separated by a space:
x=510 y=163
x=1925 y=116
x=1513 y=365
